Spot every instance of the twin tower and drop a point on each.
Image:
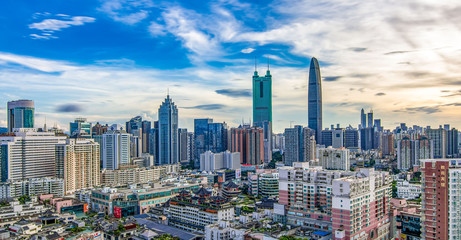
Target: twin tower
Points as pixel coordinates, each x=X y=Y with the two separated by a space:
x=262 y=99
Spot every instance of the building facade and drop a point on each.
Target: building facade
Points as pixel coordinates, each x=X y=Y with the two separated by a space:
x=115 y=149
x=168 y=147
x=315 y=99
x=20 y=114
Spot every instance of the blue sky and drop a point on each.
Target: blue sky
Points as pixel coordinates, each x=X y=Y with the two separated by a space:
x=112 y=60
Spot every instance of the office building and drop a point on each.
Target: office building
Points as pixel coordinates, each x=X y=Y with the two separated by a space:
x=99 y=129
x=262 y=97
x=146 y=126
x=183 y=145
x=134 y=126
x=168 y=147
x=209 y=136
x=334 y=158
x=441 y=191
x=115 y=149
x=20 y=114
x=28 y=154
x=315 y=99
x=367 y=138
x=210 y=161
x=363 y=119
x=135 y=146
x=249 y=142
x=351 y=138
x=370 y=119
x=80 y=158
x=80 y=127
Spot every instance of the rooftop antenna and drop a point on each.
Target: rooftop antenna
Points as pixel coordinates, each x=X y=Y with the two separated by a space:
x=256 y=66
x=44 y=127
x=268 y=68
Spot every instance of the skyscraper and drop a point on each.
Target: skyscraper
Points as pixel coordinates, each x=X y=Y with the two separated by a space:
x=315 y=99
x=363 y=119
x=115 y=149
x=370 y=119
x=262 y=109
x=168 y=133
x=20 y=114
x=262 y=97
x=209 y=136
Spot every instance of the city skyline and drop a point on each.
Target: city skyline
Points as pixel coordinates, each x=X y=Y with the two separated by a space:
x=204 y=55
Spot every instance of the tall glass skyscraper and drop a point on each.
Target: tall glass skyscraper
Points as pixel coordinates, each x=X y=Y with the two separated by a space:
x=209 y=136
x=168 y=133
x=262 y=109
x=315 y=99
x=262 y=97
x=20 y=114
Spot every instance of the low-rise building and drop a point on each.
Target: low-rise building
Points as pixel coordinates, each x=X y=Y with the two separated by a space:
x=225 y=230
x=133 y=174
x=193 y=212
x=33 y=186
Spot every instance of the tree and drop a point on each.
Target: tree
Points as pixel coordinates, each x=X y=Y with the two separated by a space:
x=23 y=199
x=166 y=237
x=394 y=189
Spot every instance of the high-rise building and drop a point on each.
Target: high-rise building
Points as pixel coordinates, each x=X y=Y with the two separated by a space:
x=115 y=149
x=135 y=147
x=20 y=114
x=80 y=127
x=214 y=161
x=153 y=141
x=262 y=97
x=351 y=137
x=98 y=129
x=315 y=99
x=249 y=142
x=439 y=136
x=367 y=138
x=440 y=194
x=452 y=143
x=28 y=154
x=209 y=136
x=183 y=145
x=386 y=145
x=146 y=126
x=334 y=158
x=405 y=153
x=370 y=119
x=134 y=126
x=262 y=109
x=300 y=145
x=81 y=164
x=168 y=151
x=363 y=119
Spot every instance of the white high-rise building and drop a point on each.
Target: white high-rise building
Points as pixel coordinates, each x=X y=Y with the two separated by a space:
x=213 y=161
x=334 y=158
x=115 y=149
x=28 y=154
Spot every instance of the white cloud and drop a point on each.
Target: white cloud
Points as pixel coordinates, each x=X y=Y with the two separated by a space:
x=126 y=11
x=247 y=50
x=49 y=26
x=157 y=29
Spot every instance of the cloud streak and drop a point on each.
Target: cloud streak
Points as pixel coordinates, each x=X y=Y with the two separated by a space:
x=48 y=26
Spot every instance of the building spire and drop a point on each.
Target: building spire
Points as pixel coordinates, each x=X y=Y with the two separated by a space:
x=268 y=68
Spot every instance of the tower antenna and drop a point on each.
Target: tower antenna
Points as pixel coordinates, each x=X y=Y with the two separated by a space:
x=256 y=66
x=268 y=68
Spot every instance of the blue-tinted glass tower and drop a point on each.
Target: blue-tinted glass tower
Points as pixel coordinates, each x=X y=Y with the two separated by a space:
x=20 y=114
x=209 y=136
x=168 y=133
x=315 y=99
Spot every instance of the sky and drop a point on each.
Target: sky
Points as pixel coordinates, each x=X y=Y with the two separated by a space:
x=112 y=60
